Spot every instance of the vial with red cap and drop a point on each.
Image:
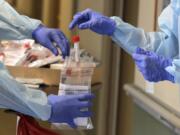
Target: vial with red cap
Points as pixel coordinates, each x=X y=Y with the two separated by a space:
x=76 y=41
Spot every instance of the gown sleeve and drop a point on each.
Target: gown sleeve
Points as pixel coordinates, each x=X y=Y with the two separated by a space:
x=17 y=97
x=14 y=26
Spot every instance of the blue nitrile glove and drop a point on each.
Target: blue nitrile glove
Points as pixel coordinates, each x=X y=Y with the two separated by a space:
x=47 y=37
x=98 y=23
x=152 y=66
x=66 y=108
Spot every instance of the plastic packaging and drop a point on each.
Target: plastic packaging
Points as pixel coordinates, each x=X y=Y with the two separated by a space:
x=29 y=126
x=76 y=79
x=26 y=53
x=15 y=51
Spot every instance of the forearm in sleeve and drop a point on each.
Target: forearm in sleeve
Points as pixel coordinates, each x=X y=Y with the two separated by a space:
x=14 y=26
x=17 y=97
x=129 y=38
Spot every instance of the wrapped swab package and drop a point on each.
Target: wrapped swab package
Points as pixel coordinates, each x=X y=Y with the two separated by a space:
x=75 y=79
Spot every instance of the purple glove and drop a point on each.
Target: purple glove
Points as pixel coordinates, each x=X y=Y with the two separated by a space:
x=46 y=37
x=152 y=66
x=98 y=23
x=66 y=108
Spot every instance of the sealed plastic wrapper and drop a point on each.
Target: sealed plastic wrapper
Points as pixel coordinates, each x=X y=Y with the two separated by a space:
x=14 y=51
x=25 y=53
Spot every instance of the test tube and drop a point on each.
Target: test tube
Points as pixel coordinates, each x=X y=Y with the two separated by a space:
x=76 y=40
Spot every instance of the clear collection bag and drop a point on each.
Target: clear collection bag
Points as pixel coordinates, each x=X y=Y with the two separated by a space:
x=76 y=79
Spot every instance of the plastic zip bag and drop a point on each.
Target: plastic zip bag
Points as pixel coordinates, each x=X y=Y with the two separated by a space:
x=29 y=126
x=76 y=79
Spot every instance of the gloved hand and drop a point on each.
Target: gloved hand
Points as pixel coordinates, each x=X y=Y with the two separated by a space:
x=152 y=66
x=47 y=37
x=98 y=23
x=66 y=108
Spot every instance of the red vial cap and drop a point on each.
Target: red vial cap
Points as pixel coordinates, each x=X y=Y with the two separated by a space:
x=75 y=39
x=2 y=54
x=27 y=46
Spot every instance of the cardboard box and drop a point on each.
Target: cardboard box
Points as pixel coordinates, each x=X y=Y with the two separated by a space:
x=51 y=77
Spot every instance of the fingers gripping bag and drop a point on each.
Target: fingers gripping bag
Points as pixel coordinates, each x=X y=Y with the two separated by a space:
x=75 y=79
